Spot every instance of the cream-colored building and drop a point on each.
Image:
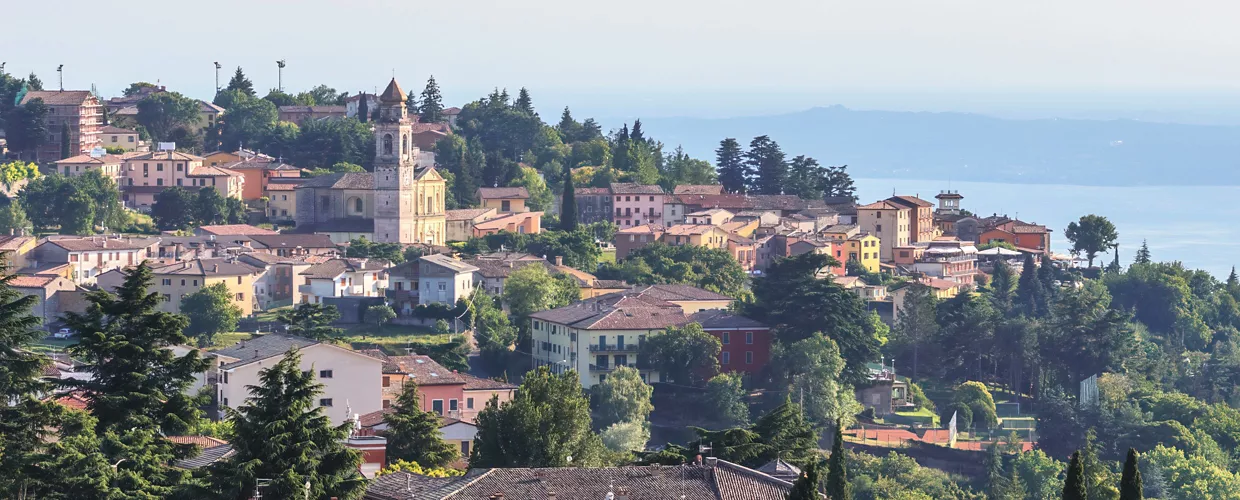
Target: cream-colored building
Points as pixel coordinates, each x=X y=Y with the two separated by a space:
x=108 y=165
x=889 y=222
x=174 y=281
x=504 y=199
x=351 y=380
x=116 y=137
x=343 y=278
x=91 y=256
x=145 y=175
x=399 y=202
x=281 y=202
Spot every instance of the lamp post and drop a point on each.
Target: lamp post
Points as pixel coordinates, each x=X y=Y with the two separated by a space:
x=60 y=74
x=280 y=77
x=217 y=76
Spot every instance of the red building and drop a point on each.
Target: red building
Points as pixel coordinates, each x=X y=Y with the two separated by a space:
x=746 y=343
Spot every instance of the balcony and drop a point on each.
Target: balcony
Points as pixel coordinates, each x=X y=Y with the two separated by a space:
x=614 y=348
x=607 y=368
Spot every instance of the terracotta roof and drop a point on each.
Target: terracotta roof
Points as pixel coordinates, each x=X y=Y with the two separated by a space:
x=31 y=281
x=910 y=201
x=234 y=230
x=336 y=267
x=312 y=109
x=283 y=240
x=642 y=308
x=262 y=347
x=642 y=229
x=58 y=97
x=393 y=93
x=101 y=160
x=203 y=441
x=678 y=293
x=882 y=205
x=205 y=267
x=739 y=202
x=260 y=164
x=408 y=270
x=283 y=186
x=714 y=318
x=473 y=383
x=504 y=220
x=210 y=171
x=91 y=244
x=466 y=213
x=166 y=156
x=74 y=400
x=634 y=188
x=720 y=480
x=1029 y=228
x=511 y=193
x=591 y=191
x=689 y=229
x=108 y=129
x=345 y=225
x=452 y=111
x=350 y=180
x=422 y=370
x=10 y=242
x=698 y=189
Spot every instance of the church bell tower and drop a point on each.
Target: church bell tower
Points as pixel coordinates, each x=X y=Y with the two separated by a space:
x=395 y=159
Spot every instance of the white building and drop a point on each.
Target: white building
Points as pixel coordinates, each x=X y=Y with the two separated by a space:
x=91 y=256
x=343 y=278
x=444 y=280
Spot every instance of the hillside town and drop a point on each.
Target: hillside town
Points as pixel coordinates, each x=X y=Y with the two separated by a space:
x=466 y=302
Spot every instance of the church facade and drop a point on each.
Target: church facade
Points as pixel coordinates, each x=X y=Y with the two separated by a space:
x=396 y=203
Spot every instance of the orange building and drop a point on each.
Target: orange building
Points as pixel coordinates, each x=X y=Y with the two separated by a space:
x=921 y=217
x=1033 y=237
x=521 y=223
x=257 y=173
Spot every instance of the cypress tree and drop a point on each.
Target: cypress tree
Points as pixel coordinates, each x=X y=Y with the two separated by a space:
x=413 y=434
x=1130 y=484
x=1143 y=254
x=637 y=135
x=241 y=83
x=620 y=150
x=282 y=435
x=568 y=207
x=1074 y=484
x=729 y=160
x=1029 y=293
x=65 y=146
x=806 y=486
x=524 y=102
x=767 y=161
x=363 y=108
x=837 y=471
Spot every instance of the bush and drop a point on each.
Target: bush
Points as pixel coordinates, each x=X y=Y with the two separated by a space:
x=964 y=415
x=919 y=398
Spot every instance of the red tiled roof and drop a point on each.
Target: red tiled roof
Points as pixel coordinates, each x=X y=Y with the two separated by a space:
x=234 y=230
x=203 y=441
x=634 y=188
x=698 y=189
x=882 y=205
x=30 y=281
x=493 y=193
x=422 y=370
x=58 y=97
x=910 y=201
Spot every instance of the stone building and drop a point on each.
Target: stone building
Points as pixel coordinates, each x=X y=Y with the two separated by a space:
x=396 y=203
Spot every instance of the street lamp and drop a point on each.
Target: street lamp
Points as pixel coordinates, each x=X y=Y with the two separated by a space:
x=280 y=81
x=217 y=76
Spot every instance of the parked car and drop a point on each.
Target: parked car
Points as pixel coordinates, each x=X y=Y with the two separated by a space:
x=62 y=333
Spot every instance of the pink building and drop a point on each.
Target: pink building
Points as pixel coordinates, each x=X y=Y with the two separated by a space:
x=637 y=204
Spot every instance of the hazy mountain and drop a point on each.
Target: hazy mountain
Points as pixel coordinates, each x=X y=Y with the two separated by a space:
x=971 y=147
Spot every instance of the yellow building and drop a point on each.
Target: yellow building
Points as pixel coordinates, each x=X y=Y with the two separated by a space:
x=174 y=281
x=221 y=158
x=696 y=234
x=116 y=137
x=281 y=202
x=108 y=165
x=863 y=248
x=504 y=199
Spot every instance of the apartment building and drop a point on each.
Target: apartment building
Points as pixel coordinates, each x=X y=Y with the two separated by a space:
x=91 y=256
x=343 y=278
x=79 y=110
x=174 y=281
x=637 y=204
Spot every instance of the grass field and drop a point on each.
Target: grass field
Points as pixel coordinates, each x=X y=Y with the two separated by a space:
x=607 y=256
x=922 y=415
x=390 y=337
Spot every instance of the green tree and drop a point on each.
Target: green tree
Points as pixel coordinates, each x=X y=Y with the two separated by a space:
x=211 y=311
x=540 y=197
x=26 y=127
x=174 y=208
x=65 y=146
x=684 y=355
x=1039 y=473
x=547 y=424
x=327 y=143
x=838 y=487
x=1143 y=254
x=379 y=315
x=734 y=173
x=569 y=129
x=209 y=207
x=623 y=397
x=725 y=399
x=1130 y=484
x=1100 y=481
x=1092 y=234
x=1030 y=297
x=806 y=485
x=811 y=367
x=240 y=83
x=679 y=169
x=13 y=219
x=431 y=107
x=310 y=320
x=837 y=183
x=248 y=121
x=568 y=203
x=1002 y=287
x=1074 y=485
x=163 y=112
x=626 y=436
x=281 y=435
x=365 y=249
x=805 y=178
x=915 y=324
x=532 y=288
x=137 y=88
x=977 y=397
x=786 y=434
x=524 y=102
x=413 y=434
x=137 y=389
x=767 y=161
x=655 y=264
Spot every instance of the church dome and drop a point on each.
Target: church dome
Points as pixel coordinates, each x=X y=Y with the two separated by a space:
x=393 y=93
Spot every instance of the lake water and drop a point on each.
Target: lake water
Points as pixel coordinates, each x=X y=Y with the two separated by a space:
x=1197 y=225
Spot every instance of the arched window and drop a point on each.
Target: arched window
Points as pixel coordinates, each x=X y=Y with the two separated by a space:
x=357 y=205
x=387 y=144
x=404 y=144
x=354 y=206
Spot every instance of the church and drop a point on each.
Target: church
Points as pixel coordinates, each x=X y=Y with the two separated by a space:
x=401 y=201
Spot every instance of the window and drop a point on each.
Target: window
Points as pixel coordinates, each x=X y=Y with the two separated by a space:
x=225 y=401
x=325 y=402
x=452 y=405
x=167 y=282
x=225 y=377
x=727 y=357
x=114 y=139
x=182 y=282
x=180 y=167
x=749 y=357
x=652 y=199
x=167 y=298
x=437 y=407
x=387 y=144
x=387 y=381
x=726 y=338
x=443 y=286
x=505 y=206
x=159 y=182
x=387 y=403
x=464 y=448
x=195 y=282
x=130 y=138
x=284 y=197
x=240 y=297
x=469 y=403
x=238 y=280
x=159 y=167
x=325 y=374
x=749 y=337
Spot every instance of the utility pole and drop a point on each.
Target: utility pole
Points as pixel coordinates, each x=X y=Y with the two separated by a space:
x=280 y=80
x=217 y=76
x=60 y=74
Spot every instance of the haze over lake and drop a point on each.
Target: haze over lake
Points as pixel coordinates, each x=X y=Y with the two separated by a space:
x=1193 y=224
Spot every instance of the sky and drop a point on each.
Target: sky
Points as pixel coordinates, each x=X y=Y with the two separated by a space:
x=665 y=57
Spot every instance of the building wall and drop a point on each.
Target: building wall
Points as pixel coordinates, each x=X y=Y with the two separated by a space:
x=890 y=226
x=112 y=170
x=747 y=350
x=84 y=120
x=476 y=400
x=172 y=288
x=128 y=142
x=443 y=287
x=634 y=210
x=514 y=205
x=627 y=243
x=593 y=208
x=355 y=380
x=281 y=205
x=86 y=266
x=865 y=250
x=563 y=348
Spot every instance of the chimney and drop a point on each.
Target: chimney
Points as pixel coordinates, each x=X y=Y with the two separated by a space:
x=622 y=493
x=712 y=461
x=559 y=261
x=215 y=268
x=550 y=495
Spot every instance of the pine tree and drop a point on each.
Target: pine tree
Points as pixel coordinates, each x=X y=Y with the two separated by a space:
x=363 y=108
x=310 y=320
x=1029 y=293
x=33 y=82
x=281 y=434
x=65 y=146
x=620 y=157
x=431 y=108
x=240 y=83
x=838 y=487
x=413 y=434
x=570 y=130
x=568 y=205
x=137 y=389
x=766 y=160
x=1001 y=286
x=1233 y=283
x=730 y=161
x=1046 y=274
x=637 y=136
x=1074 y=484
x=1143 y=254
x=806 y=486
x=1099 y=479
x=1130 y=484
x=524 y=102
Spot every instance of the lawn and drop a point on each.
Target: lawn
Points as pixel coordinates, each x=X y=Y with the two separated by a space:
x=607 y=256
x=228 y=339
x=49 y=344
x=269 y=316
x=390 y=337
x=921 y=415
